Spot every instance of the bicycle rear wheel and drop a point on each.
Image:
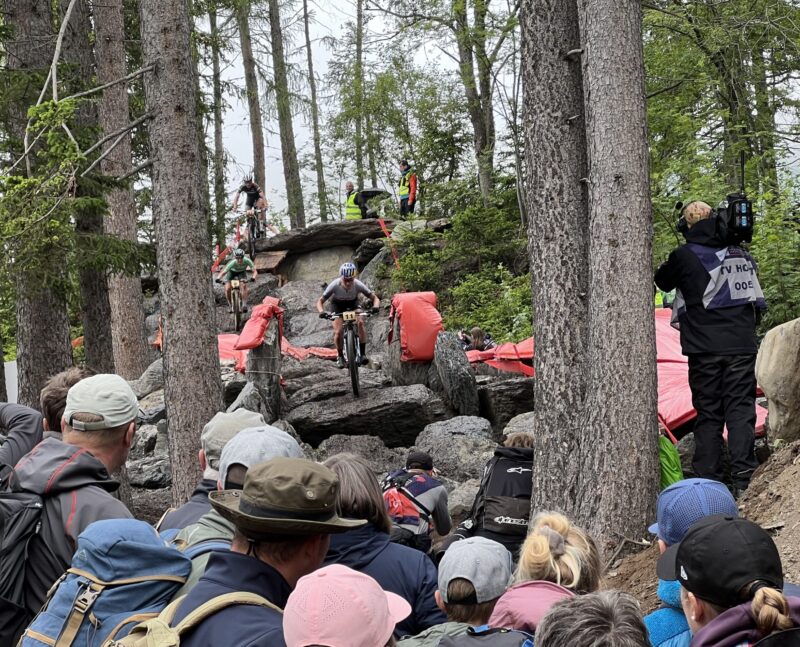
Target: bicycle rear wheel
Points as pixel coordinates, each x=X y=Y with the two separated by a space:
x=237 y=309
x=352 y=359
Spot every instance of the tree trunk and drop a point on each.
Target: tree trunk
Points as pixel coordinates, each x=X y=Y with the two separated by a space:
x=620 y=434
x=43 y=344
x=131 y=352
x=219 y=148
x=483 y=138
x=291 y=169
x=253 y=96
x=765 y=126
x=358 y=91
x=193 y=389
x=319 y=165
x=96 y=308
x=373 y=166
x=559 y=245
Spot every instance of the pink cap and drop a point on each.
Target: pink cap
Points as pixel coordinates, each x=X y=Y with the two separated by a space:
x=336 y=606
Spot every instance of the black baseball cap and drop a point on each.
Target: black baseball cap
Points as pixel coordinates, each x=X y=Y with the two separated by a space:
x=419 y=460
x=719 y=556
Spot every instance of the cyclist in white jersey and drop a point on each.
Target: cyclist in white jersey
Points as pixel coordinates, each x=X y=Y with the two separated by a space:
x=343 y=293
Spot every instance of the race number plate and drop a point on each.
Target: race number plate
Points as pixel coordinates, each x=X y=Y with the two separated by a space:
x=349 y=316
x=234 y=283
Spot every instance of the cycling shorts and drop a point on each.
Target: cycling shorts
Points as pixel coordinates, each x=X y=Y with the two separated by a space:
x=241 y=276
x=344 y=306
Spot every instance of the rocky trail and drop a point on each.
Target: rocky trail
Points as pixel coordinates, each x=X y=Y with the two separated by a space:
x=441 y=406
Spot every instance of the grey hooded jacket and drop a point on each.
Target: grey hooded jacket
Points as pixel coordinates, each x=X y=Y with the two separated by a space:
x=76 y=490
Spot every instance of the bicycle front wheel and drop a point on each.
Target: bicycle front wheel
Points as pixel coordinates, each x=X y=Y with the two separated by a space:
x=352 y=359
x=237 y=310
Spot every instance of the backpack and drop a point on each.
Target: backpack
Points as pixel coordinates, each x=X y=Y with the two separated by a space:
x=20 y=522
x=122 y=573
x=486 y=635
x=158 y=632
x=403 y=507
x=503 y=504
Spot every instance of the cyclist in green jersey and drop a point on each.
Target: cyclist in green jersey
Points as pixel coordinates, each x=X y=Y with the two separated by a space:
x=237 y=269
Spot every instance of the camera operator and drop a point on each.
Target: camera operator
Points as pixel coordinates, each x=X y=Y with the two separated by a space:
x=717 y=305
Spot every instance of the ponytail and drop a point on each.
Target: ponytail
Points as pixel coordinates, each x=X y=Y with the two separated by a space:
x=770 y=611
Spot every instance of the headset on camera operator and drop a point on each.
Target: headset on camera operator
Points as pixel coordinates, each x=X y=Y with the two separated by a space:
x=717 y=306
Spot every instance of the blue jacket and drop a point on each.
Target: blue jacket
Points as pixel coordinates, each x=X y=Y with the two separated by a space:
x=240 y=625
x=191 y=511
x=399 y=569
x=667 y=626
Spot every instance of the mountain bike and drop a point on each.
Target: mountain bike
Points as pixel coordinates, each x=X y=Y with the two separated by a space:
x=236 y=301
x=255 y=229
x=351 y=347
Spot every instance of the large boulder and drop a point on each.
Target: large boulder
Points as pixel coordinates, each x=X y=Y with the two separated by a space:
x=152 y=408
x=371 y=448
x=501 y=400
x=151 y=380
x=521 y=423
x=366 y=251
x=266 y=284
x=150 y=472
x=335 y=385
x=319 y=265
x=403 y=373
x=144 y=442
x=301 y=374
x=460 y=500
x=323 y=235
x=778 y=374
x=459 y=447
x=377 y=273
x=396 y=414
x=302 y=325
x=454 y=380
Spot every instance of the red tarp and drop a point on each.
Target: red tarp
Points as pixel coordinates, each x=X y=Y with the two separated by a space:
x=420 y=323
x=674 y=396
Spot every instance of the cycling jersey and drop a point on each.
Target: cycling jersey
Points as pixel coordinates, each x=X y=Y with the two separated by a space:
x=238 y=267
x=252 y=194
x=337 y=292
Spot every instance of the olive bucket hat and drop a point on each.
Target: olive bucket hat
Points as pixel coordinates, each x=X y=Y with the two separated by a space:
x=284 y=496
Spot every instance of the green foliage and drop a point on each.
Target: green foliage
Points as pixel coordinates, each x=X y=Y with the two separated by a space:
x=494 y=299
x=478 y=267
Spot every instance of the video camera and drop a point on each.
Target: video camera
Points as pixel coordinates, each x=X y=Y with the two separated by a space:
x=733 y=216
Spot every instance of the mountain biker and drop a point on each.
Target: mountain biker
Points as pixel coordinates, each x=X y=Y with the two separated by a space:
x=255 y=196
x=237 y=269
x=343 y=292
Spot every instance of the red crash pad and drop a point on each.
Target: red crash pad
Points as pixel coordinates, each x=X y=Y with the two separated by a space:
x=420 y=323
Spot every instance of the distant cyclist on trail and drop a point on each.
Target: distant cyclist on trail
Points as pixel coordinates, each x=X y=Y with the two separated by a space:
x=253 y=192
x=237 y=269
x=343 y=292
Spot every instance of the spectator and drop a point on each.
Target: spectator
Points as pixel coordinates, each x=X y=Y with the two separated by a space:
x=417 y=503
x=72 y=475
x=248 y=447
x=717 y=305
x=219 y=430
x=283 y=518
x=679 y=507
x=601 y=619
x=407 y=189
x=558 y=560
x=399 y=569
x=473 y=574
x=355 y=205
x=731 y=581
x=336 y=605
x=25 y=427
x=476 y=340
x=502 y=506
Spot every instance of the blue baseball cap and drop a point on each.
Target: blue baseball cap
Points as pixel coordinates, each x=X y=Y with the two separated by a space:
x=686 y=502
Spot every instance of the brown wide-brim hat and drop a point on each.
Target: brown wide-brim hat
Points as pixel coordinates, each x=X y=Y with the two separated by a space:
x=284 y=496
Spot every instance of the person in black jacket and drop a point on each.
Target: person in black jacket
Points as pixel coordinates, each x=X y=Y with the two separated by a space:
x=717 y=305
x=501 y=509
